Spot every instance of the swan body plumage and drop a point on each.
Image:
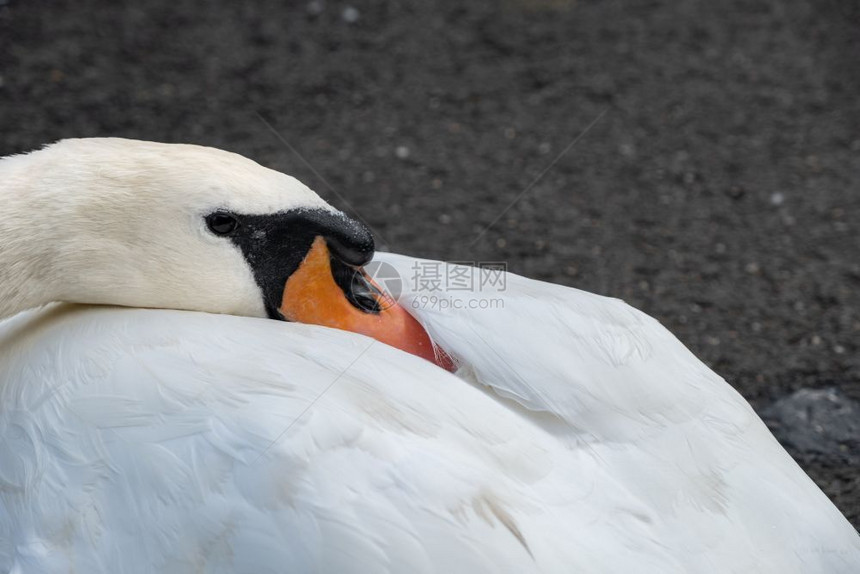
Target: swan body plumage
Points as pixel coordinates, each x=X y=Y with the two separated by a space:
x=578 y=435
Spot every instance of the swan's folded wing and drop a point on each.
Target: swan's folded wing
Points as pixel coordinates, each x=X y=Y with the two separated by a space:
x=160 y=441
x=141 y=441
x=677 y=435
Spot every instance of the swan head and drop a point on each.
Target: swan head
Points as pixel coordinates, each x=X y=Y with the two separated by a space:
x=142 y=224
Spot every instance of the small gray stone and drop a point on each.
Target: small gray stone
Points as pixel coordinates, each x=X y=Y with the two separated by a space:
x=817 y=421
x=350 y=14
x=401 y=152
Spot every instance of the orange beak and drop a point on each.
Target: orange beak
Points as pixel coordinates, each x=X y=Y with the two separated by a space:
x=312 y=295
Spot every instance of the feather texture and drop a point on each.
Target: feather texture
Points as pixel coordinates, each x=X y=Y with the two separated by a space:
x=578 y=436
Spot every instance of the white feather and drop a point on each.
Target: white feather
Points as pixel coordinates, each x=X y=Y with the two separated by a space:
x=577 y=436
x=138 y=440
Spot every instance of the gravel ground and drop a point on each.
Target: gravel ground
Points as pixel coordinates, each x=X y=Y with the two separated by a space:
x=716 y=189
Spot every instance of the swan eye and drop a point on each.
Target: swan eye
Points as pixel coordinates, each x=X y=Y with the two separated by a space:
x=222 y=223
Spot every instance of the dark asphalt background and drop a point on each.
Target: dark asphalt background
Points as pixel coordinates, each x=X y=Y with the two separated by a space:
x=718 y=191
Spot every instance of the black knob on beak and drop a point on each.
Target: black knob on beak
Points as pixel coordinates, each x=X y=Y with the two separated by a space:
x=351 y=243
x=348 y=240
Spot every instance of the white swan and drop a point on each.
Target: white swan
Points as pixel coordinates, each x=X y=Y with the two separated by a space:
x=579 y=436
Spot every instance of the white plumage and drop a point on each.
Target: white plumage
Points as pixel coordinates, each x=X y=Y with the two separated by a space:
x=577 y=436
x=140 y=441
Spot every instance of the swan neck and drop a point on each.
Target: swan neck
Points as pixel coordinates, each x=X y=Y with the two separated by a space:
x=29 y=226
